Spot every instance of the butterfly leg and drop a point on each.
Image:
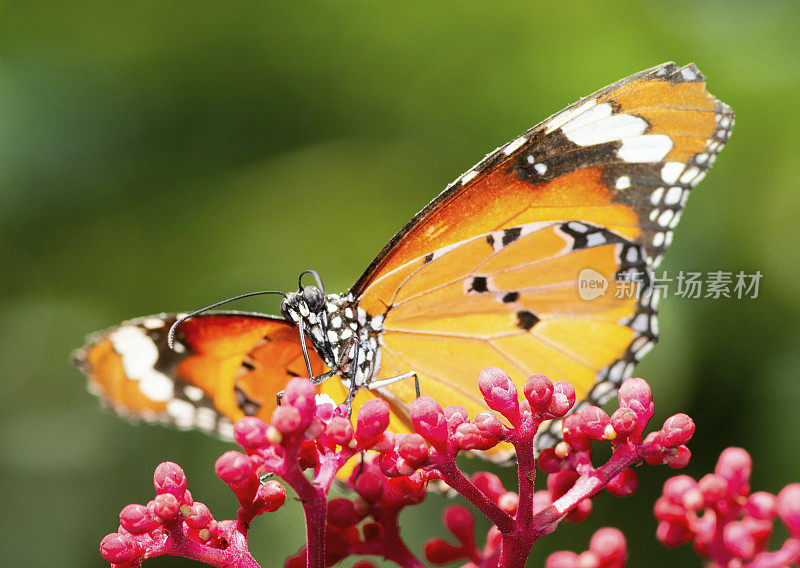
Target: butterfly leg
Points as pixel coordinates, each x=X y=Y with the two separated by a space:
x=390 y=380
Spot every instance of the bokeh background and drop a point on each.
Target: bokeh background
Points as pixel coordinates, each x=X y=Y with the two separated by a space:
x=158 y=157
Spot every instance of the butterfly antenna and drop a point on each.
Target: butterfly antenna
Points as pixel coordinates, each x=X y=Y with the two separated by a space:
x=316 y=276
x=174 y=327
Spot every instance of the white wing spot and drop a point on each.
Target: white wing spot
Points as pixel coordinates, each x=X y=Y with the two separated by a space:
x=671 y=171
x=673 y=196
x=623 y=182
x=540 y=169
x=643 y=149
x=193 y=393
x=655 y=197
x=566 y=116
x=597 y=127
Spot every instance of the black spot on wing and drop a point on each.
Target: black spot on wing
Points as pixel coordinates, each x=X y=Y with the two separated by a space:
x=511 y=297
x=428 y=258
x=526 y=320
x=479 y=285
x=511 y=235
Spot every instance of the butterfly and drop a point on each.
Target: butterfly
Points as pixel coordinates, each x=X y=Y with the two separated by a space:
x=489 y=273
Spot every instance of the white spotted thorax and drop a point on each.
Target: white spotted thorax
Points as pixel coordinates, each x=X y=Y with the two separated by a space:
x=341 y=332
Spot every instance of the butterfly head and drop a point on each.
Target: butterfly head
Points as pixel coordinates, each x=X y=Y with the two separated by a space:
x=307 y=307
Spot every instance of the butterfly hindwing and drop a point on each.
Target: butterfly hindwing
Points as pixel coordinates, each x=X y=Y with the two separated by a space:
x=511 y=298
x=225 y=365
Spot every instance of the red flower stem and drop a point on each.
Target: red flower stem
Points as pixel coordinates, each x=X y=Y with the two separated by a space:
x=526 y=475
x=235 y=556
x=515 y=549
x=585 y=487
x=454 y=478
x=315 y=507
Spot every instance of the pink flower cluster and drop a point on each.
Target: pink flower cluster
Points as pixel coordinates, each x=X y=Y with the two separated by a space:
x=309 y=441
x=724 y=521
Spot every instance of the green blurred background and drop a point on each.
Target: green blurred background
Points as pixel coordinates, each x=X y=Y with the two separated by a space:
x=161 y=157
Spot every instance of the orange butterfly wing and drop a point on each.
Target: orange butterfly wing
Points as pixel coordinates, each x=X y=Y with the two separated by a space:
x=621 y=162
x=600 y=160
x=226 y=365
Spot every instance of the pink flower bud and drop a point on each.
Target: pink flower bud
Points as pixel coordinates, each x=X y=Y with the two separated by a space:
x=610 y=547
x=762 y=505
x=251 y=433
x=439 y=551
x=468 y=437
x=137 y=519
x=166 y=506
x=666 y=510
x=412 y=448
x=200 y=517
x=301 y=395
x=369 y=485
x=678 y=458
x=455 y=414
x=233 y=467
x=677 y=430
x=538 y=392
x=429 y=421
x=624 y=422
x=170 y=478
x=489 y=425
x=342 y=513
x=595 y=421
x=460 y=522
x=405 y=490
x=735 y=465
x=385 y=442
x=489 y=484
x=388 y=464
x=118 y=549
x=287 y=420
x=373 y=419
x=677 y=488
x=673 y=534
x=636 y=395
x=713 y=487
x=563 y=559
x=581 y=512
x=340 y=431
x=509 y=502
x=549 y=462
x=560 y=482
x=563 y=399
x=499 y=392
x=739 y=540
x=624 y=483
x=572 y=429
x=270 y=497
x=789 y=508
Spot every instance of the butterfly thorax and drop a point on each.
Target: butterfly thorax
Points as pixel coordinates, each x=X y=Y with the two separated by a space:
x=341 y=332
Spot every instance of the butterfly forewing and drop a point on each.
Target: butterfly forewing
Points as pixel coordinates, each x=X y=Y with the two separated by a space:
x=623 y=158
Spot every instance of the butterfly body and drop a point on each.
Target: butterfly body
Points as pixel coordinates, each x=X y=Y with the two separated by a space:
x=488 y=274
x=341 y=332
